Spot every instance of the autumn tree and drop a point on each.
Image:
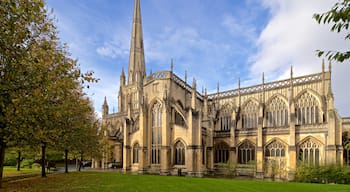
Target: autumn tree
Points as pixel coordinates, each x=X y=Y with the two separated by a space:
x=339 y=18
x=80 y=127
x=36 y=73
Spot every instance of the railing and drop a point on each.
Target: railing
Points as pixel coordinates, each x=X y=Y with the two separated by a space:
x=175 y=78
x=158 y=75
x=267 y=86
x=221 y=134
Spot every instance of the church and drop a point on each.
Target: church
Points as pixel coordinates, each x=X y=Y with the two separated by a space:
x=165 y=126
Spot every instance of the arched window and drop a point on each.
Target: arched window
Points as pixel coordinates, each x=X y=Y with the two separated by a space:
x=276 y=113
x=275 y=149
x=179 y=153
x=250 y=115
x=222 y=154
x=224 y=123
x=246 y=152
x=156 y=132
x=307 y=110
x=178 y=119
x=309 y=152
x=136 y=153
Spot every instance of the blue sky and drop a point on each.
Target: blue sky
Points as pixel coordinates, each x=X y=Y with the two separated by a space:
x=214 y=41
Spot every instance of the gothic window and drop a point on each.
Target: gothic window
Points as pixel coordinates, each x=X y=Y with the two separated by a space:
x=156 y=132
x=309 y=152
x=307 y=109
x=275 y=149
x=246 y=152
x=136 y=153
x=178 y=119
x=224 y=123
x=221 y=153
x=276 y=113
x=250 y=115
x=179 y=153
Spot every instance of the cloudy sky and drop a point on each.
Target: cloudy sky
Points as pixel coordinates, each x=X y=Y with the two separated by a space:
x=214 y=41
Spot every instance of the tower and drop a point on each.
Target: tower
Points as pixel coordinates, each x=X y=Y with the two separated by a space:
x=104 y=108
x=136 y=70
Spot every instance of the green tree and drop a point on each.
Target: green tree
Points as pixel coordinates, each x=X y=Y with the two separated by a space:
x=338 y=17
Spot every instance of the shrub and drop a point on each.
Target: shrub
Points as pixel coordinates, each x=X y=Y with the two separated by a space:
x=323 y=174
x=27 y=163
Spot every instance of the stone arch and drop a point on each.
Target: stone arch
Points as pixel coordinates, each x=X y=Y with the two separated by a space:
x=135 y=152
x=312 y=138
x=312 y=92
x=308 y=107
x=275 y=158
x=275 y=147
x=179 y=152
x=181 y=140
x=246 y=152
x=155 y=124
x=179 y=116
x=224 y=117
x=251 y=99
x=154 y=101
x=221 y=152
x=310 y=151
x=250 y=114
x=276 y=111
x=285 y=99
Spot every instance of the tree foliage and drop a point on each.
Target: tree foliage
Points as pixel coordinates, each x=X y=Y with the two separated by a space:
x=39 y=82
x=339 y=18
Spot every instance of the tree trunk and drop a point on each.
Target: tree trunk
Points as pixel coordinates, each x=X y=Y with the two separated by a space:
x=81 y=161
x=66 y=160
x=2 y=158
x=19 y=161
x=43 y=150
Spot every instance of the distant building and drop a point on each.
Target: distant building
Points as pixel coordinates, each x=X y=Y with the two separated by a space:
x=163 y=124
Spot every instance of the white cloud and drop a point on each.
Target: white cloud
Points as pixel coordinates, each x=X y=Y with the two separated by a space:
x=291 y=38
x=113 y=49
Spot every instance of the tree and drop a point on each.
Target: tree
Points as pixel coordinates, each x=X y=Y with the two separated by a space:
x=79 y=134
x=339 y=17
x=36 y=74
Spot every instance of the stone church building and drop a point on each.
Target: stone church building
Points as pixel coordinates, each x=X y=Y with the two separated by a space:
x=164 y=124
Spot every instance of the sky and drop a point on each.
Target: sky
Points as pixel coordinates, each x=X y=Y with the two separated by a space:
x=215 y=42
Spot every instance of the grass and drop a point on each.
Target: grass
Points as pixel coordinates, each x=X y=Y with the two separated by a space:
x=12 y=171
x=109 y=181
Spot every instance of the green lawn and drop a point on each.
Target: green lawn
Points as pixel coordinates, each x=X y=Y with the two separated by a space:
x=109 y=181
x=12 y=171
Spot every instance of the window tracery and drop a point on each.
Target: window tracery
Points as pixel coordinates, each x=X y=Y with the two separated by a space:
x=307 y=110
x=250 y=115
x=179 y=153
x=275 y=149
x=246 y=152
x=222 y=154
x=309 y=152
x=136 y=153
x=277 y=113
x=224 y=121
x=156 y=132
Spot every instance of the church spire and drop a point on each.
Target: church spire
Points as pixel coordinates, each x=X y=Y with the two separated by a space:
x=136 y=71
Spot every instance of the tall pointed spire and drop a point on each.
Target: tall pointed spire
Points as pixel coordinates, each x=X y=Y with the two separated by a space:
x=136 y=71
